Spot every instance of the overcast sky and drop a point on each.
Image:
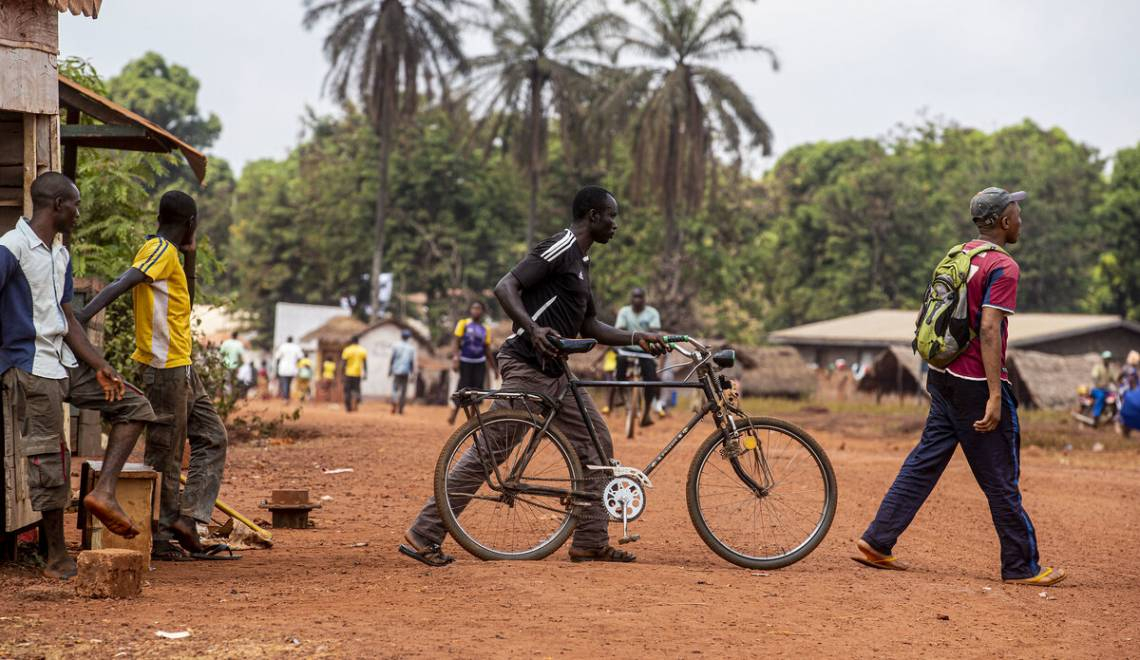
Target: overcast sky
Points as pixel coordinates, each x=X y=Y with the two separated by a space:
x=848 y=69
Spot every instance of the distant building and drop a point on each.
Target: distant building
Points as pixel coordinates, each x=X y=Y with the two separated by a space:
x=297 y=320
x=860 y=338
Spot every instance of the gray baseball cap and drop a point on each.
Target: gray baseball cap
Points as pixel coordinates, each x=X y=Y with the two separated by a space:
x=990 y=202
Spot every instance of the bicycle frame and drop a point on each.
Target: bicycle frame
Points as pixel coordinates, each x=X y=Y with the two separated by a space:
x=706 y=381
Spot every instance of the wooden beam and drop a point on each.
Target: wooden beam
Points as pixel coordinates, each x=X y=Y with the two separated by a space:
x=81 y=132
x=70 y=151
x=29 y=161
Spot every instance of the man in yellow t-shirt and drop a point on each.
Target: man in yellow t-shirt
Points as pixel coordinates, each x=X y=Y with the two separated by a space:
x=355 y=359
x=163 y=292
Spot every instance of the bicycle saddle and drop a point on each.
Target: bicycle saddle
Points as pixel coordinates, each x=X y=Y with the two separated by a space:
x=573 y=345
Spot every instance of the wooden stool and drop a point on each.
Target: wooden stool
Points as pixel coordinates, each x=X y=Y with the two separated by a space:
x=137 y=492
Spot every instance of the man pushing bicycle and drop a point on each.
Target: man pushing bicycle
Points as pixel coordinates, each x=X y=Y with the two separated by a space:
x=548 y=297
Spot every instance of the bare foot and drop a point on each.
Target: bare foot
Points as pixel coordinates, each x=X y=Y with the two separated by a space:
x=108 y=511
x=186 y=531
x=63 y=568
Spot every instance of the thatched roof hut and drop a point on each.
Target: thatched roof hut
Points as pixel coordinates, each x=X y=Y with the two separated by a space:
x=772 y=371
x=1043 y=380
x=337 y=330
x=896 y=370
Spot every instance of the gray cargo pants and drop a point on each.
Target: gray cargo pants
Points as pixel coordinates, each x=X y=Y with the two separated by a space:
x=178 y=393
x=592 y=531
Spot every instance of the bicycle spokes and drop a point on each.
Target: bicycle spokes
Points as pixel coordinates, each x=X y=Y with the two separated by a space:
x=527 y=498
x=763 y=495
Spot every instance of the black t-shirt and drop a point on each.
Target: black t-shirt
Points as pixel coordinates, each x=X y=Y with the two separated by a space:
x=555 y=280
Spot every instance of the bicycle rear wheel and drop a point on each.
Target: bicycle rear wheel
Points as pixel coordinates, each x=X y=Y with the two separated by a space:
x=766 y=504
x=506 y=517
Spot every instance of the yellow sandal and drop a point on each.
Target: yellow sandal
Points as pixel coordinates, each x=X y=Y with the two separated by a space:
x=1048 y=577
x=876 y=559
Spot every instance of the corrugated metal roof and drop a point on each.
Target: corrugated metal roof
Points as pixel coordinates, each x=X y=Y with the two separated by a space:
x=884 y=327
x=77 y=7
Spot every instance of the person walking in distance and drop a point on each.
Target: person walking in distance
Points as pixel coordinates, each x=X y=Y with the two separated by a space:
x=639 y=317
x=328 y=377
x=473 y=352
x=304 y=377
x=548 y=295
x=233 y=355
x=355 y=359
x=972 y=405
x=401 y=367
x=286 y=359
x=163 y=291
x=40 y=339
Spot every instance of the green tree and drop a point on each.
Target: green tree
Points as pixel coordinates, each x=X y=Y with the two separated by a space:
x=1116 y=287
x=166 y=94
x=544 y=51
x=379 y=51
x=684 y=109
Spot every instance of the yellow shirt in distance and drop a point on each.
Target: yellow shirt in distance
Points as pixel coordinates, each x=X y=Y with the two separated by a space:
x=162 y=307
x=328 y=370
x=354 y=356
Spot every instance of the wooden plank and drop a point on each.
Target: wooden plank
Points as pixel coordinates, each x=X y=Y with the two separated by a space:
x=29 y=161
x=29 y=24
x=11 y=176
x=54 y=163
x=29 y=81
x=17 y=509
x=77 y=132
x=43 y=143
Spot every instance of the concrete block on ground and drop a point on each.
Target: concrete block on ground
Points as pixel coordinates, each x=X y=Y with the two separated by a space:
x=110 y=573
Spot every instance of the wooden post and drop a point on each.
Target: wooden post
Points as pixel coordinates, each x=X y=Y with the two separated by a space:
x=71 y=151
x=29 y=161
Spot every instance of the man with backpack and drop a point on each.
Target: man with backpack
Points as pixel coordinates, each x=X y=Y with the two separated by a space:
x=961 y=332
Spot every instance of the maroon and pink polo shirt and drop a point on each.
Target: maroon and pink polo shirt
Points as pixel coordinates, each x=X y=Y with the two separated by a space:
x=992 y=282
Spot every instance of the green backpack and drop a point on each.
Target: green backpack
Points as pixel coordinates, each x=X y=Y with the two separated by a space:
x=942 y=329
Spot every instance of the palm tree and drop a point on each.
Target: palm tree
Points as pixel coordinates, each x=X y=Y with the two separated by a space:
x=684 y=108
x=380 y=51
x=544 y=51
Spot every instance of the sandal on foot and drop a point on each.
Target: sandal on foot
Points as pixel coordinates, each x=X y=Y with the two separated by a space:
x=875 y=559
x=214 y=553
x=431 y=554
x=1046 y=578
x=169 y=553
x=607 y=554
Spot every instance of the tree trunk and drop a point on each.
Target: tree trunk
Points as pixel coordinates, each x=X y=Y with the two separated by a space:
x=535 y=156
x=381 y=219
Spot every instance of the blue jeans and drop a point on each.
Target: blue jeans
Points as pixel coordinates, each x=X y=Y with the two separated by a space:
x=955 y=404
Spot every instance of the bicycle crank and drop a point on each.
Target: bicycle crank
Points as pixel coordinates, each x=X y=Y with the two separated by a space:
x=624 y=499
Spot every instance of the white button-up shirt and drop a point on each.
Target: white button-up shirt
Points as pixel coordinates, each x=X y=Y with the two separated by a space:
x=46 y=272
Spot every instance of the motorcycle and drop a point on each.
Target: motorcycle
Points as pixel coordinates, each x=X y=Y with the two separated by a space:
x=1085 y=403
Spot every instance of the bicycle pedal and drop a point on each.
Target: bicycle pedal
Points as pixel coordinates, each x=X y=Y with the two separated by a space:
x=629 y=539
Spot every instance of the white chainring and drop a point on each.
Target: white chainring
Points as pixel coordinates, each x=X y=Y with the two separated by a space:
x=624 y=494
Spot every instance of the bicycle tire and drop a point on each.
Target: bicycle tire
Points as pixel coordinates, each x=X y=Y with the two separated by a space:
x=458 y=532
x=632 y=412
x=712 y=445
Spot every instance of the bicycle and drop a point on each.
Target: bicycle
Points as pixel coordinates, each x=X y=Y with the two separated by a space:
x=630 y=363
x=532 y=492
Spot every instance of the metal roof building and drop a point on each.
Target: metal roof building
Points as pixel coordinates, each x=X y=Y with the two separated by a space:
x=861 y=337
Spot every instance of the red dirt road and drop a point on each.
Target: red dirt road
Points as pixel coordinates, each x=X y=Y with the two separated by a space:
x=316 y=594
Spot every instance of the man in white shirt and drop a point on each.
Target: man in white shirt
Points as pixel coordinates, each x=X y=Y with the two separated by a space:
x=286 y=359
x=639 y=317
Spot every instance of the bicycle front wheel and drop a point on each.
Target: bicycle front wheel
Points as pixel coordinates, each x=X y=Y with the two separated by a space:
x=767 y=502
x=522 y=510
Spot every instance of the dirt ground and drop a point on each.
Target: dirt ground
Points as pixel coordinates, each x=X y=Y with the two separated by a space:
x=318 y=592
